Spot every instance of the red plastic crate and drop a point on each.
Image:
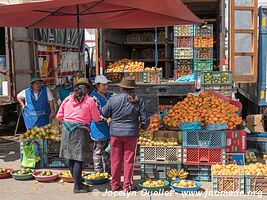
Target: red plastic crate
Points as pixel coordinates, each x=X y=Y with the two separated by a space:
x=236 y=141
x=204 y=156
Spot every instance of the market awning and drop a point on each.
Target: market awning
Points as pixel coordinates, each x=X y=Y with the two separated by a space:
x=97 y=14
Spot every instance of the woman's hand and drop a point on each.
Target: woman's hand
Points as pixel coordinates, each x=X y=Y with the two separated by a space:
x=109 y=121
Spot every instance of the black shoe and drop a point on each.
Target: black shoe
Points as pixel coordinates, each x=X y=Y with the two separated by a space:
x=132 y=188
x=76 y=191
x=85 y=187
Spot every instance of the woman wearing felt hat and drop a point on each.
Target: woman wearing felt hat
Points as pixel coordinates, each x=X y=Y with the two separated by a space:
x=127 y=112
x=76 y=112
x=37 y=104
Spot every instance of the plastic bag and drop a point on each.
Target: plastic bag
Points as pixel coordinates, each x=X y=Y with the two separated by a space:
x=108 y=149
x=29 y=159
x=189 y=126
x=189 y=78
x=216 y=126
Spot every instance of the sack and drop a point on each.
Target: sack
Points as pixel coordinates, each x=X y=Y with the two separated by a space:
x=28 y=160
x=216 y=126
x=190 y=126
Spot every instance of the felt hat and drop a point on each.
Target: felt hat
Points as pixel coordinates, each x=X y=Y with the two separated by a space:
x=128 y=82
x=35 y=78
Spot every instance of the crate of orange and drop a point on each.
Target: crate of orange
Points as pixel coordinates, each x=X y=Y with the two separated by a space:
x=205 y=108
x=256 y=178
x=228 y=178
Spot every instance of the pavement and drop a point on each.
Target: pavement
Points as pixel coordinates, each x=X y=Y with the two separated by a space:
x=31 y=189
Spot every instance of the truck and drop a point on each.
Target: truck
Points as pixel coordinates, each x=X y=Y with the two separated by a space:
x=50 y=53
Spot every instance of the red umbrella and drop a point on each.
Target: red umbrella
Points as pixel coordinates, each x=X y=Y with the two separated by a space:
x=97 y=14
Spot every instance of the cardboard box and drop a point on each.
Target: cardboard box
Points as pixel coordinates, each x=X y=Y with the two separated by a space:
x=255 y=123
x=236 y=141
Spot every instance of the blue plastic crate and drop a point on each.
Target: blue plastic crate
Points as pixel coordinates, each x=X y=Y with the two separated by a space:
x=204 y=178
x=256 y=184
x=51 y=146
x=54 y=161
x=204 y=139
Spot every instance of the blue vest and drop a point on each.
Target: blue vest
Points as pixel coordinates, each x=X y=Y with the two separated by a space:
x=100 y=130
x=36 y=111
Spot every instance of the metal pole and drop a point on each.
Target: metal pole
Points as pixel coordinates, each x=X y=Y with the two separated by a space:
x=79 y=37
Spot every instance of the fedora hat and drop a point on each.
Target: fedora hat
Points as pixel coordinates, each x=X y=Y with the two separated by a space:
x=83 y=81
x=35 y=78
x=128 y=82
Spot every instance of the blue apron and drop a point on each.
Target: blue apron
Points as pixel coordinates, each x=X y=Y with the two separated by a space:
x=36 y=111
x=100 y=130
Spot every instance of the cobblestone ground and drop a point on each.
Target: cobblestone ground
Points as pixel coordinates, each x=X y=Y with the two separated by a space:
x=25 y=190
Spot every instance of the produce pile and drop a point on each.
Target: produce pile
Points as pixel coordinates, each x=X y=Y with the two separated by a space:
x=155 y=183
x=125 y=65
x=97 y=176
x=46 y=173
x=147 y=138
x=154 y=124
x=250 y=157
x=24 y=171
x=3 y=170
x=205 y=108
x=256 y=169
x=48 y=132
x=231 y=169
x=222 y=77
x=177 y=173
x=186 y=184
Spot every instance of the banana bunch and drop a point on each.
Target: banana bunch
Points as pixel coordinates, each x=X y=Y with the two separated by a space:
x=177 y=173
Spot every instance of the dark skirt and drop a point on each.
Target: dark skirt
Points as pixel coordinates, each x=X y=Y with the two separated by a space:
x=75 y=146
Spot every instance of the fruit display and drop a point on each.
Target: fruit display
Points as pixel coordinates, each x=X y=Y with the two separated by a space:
x=205 y=108
x=231 y=169
x=177 y=173
x=3 y=170
x=216 y=77
x=203 y=64
x=204 y=30
x=184 y=65
x=65 y=174
x=186 y=184
x=184 y=42
x=265 y=157
x=152 y=74
x=155 y=183
x=125 y=65
x=180 y=73
x=203 y=42
x=183 y=53
x=97 y=176
x=184 y=30
x=250 y=157
x=24 y=171
x=256 y=169
x=203 y=53
x=48 y=132
x=46 y=173
x=154 y=123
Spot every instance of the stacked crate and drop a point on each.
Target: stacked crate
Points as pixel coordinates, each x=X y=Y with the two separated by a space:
x=156 y=161
x=183 y=50
x=220 y=81
x=201 y=149
x=203 y=47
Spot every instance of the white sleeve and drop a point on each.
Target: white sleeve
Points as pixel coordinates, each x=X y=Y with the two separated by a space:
x=49 y=94
x=22 y=94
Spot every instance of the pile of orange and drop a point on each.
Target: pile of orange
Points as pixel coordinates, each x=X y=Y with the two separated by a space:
x=256 y=169
x=205 y=108
x=154 y=123
x=231 y=169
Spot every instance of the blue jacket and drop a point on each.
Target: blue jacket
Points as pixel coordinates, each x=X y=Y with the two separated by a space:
x=99 y=130
x=126 y=117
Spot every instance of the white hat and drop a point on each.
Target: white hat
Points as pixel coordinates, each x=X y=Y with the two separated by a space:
x=101 y=79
